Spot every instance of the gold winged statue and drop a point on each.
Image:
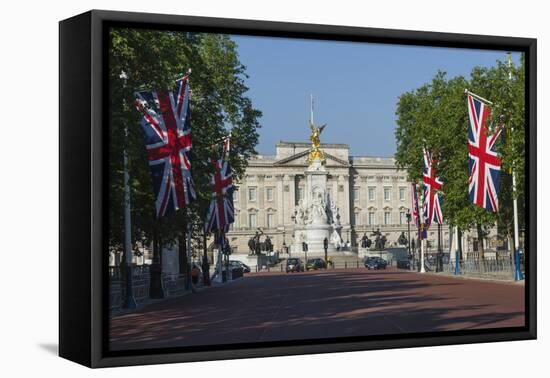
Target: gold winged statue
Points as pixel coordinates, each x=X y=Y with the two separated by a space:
x=316 y=152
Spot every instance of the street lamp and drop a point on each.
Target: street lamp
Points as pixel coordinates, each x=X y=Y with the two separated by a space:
x=408 y=215
x=325 y=247
x=439 y=260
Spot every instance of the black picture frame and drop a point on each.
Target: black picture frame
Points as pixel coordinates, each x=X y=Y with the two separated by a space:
x=83 y=314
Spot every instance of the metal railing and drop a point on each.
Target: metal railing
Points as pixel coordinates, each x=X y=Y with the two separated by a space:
x=499 y=268
x=138 y=272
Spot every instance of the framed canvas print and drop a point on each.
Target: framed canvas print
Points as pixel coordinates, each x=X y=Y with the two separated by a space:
x=234 y=188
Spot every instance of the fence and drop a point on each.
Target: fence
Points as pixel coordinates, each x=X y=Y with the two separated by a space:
x=503 y=268
x=173 y=286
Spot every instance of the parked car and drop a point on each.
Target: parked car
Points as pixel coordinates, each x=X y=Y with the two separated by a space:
x=404 y=264
x=239 y=264
x=375 y=263
x=294 y=264
x=316 y=263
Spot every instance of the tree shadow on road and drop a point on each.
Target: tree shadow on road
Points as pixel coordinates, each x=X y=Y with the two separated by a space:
x=297 y=307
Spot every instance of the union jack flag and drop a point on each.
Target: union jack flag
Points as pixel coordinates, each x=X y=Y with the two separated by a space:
x=221 y=211
x=415 y=213
x=432 y=205
x=484 y=166
x=167 y=128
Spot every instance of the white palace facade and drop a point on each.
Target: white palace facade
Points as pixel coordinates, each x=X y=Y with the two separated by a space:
x=371 y=194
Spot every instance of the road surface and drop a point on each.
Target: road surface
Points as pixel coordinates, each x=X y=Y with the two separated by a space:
x=334 y=303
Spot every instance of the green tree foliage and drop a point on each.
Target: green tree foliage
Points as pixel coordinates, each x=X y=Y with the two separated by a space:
x=435 y=117
x=219 y=104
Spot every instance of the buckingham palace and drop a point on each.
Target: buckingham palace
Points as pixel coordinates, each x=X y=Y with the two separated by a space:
x=370 y=192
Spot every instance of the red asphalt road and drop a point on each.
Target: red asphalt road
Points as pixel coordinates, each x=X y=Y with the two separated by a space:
x=322 y=304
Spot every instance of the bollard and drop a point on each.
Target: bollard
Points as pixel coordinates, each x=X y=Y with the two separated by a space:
x=345 y=264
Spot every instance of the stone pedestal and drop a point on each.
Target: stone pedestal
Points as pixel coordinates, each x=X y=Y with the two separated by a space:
x=316 y=214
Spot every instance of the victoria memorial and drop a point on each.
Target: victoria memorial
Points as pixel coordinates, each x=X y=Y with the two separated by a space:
x=371 y=194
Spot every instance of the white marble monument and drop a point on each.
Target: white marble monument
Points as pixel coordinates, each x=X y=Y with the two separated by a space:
x=316 y=216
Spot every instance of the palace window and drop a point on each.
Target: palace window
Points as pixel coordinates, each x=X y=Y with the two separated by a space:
x=387 y=194
x=252 y=220
x=270 y=220
x=252 y=194
x=269 y=194
x=372 y=193
x=402 y=194
x=402 y=217
x=387 y=217
x=356 y=194
x=372 y=221
x=356 y=218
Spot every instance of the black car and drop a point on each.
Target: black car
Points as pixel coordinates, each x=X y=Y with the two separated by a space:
x=404 y=264
x=239 y=264
x=317 y=263
x=294 y=264
x=375 y=263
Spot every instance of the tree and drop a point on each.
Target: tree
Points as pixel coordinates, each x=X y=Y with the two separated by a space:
x=154 y=60
x=434 y=116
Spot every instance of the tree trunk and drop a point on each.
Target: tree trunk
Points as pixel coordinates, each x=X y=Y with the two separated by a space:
x=480 y=242
x=182 y=260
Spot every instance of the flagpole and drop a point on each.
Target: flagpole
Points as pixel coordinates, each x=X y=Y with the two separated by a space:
x=422 y=239
x=422 y=251
x=517 y=276
x=457 y=272
x=478 y=97
x=311 y=109
x=189 y=253
x=129 y=300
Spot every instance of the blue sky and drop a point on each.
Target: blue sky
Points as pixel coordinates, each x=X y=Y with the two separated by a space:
x=355 y=85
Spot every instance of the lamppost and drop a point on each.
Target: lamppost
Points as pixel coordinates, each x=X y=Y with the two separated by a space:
x=325 y=246
x=129 y=300
x=284 y=240
x=408 y=215
x=439 y=260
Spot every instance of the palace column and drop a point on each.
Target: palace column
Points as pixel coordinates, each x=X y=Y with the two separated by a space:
x=280 y=201
x=344 y=205
x=288 y=205
x=290 y=200
x=261 y=217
